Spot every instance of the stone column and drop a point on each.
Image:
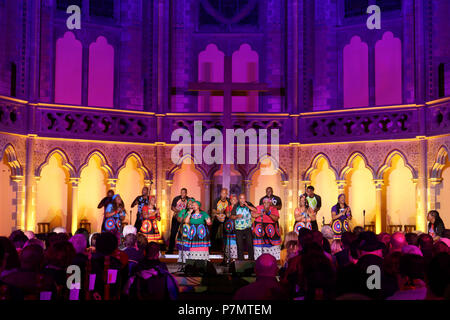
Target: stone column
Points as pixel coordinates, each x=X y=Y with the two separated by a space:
x=19 y=188
x=72 y=222
x=433 y=183
x=166 y=212
x=341 y=184
x=207 y=196
x=112 y=184
x=284 y=210
x=30 y=185
x=247 y=184
x=380 y=222
x=422 y=188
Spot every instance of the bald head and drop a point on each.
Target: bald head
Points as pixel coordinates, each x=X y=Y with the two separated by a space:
x=398 y=241
x=266 y=266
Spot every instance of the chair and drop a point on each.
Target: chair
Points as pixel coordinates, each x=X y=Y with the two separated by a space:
x=43 y=227
x=370 y=227
x=394 y=228
x=409 y=228
x=85 y=224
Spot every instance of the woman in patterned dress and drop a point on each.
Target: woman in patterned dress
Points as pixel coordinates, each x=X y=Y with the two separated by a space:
x=302 y=219
x=114 y=215
x=150 y=216
x=229 y=231
x=341 y=214
x=195 y=234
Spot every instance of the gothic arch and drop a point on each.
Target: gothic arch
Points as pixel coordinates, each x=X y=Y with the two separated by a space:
x=440 y=162
x=388 y=162
x=283 y=173
x=140 y=165
x=103 y=163
x=349 y=165
x=67 y=165
x=11 y=156
x=314 y=164
x=170 y=174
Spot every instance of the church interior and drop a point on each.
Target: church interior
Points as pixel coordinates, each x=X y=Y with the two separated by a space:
x=363 y=112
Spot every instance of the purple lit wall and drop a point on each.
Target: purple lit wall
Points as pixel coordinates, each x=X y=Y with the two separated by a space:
x=210 y=69
x=245 y=69
x=68 y=70
x=388 y=70
x=101 y=74
x=356 y=74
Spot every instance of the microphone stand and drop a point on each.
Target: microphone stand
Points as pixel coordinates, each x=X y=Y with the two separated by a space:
x=364 y=220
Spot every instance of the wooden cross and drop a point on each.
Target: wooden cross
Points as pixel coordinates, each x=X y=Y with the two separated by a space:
x=227 y=87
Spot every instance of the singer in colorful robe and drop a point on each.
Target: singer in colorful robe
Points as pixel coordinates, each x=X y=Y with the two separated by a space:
x=150 y=218
x=341 y=215
x=195 y=240
x=114 y=215
x=266 y=230
x=229 y=231
x=302 y=218
x=140 y=201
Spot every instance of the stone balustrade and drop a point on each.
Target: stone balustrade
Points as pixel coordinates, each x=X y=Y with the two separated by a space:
x=74 y=122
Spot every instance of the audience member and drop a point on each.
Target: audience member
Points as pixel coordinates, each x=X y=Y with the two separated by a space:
x=266 y=286
x=411 y=278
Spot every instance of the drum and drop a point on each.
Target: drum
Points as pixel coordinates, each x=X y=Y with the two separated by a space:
x=337 y=226
x=298 y=226
x=346 y=226
x=110 y=223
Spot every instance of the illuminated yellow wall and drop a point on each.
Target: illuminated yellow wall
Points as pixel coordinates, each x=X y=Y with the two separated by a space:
x=324 y=181
x=444 y=196
x=7 y=196
x=129 y=185
x=400 y=194
x=187 y=177
x=52 y=192
x=267 y=177
x=92 y=188
x=361 y=194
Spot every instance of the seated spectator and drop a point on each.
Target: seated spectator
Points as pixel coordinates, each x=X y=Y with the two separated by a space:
x=348 y=283
x=386 y=239
x=92 y=241
x=132 y=251
x=129 y=229
x=35 y=241
x=438 y=276
x=357 y=230
x=370 y=253
x=266 y=286
x=398 y=241
x=58 y=257
x=411 y=238
x=28 y=278
x=30 y=235
x=317 y=275
x=12 y=263
x=142 y=242
x=323 y=243
x=79 y=244
x=290 y=236
x=411 y=278
x=105 y=257
x=18 y=239
x=152 y=280
x=412 y=250
x=344 y=257
x=425 y=242
x=83 y=232
x=328 y=233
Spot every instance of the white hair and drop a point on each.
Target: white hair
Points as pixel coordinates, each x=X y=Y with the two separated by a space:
x=59 y=230
x=30 y=235
x=327 y=232
x=128 y=229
